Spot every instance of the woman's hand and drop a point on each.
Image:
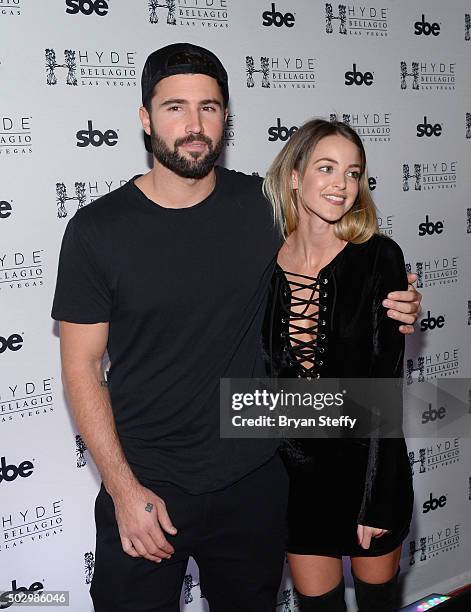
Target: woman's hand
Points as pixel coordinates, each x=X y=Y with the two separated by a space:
x=365 y=534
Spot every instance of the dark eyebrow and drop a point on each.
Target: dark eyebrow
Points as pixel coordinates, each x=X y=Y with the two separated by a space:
x=333 y=161
x=211 y=101
x=182 y=101
x=172 y=101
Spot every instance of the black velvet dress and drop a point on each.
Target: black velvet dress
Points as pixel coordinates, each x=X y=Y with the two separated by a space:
x=336 y=484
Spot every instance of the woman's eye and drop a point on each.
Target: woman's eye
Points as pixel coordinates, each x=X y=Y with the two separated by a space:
x=354 y=174
x=326 y=169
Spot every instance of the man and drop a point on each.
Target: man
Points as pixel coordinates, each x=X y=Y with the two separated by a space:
x=170 y=273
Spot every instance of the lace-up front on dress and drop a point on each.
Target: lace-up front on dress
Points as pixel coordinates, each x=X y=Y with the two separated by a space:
x=303 y=334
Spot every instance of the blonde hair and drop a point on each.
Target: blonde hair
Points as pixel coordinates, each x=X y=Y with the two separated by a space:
x=359 y=223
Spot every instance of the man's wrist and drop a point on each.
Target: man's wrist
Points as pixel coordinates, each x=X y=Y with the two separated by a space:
x=122 y=487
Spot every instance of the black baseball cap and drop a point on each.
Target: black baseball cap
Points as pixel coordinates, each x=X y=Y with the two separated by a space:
x=182 y=58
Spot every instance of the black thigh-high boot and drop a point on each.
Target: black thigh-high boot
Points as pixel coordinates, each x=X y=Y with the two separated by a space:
x=333 y=601
x=377 y=597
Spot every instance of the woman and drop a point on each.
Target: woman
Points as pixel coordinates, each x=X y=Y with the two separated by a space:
x=325 y=319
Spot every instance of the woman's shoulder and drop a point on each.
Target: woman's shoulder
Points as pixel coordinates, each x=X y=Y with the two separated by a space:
x=381 y=247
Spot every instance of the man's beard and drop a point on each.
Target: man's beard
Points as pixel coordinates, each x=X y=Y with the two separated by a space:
x=196 y=168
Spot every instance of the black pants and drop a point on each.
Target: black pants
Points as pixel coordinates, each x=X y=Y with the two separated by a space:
x=236 y=536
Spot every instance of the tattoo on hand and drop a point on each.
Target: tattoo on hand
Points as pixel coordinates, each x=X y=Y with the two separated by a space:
x=149 y=507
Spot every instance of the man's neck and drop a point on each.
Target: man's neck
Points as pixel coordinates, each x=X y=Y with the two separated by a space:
x=170 y=190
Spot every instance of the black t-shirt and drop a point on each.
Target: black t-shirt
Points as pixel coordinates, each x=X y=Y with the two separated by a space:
x=184 y=291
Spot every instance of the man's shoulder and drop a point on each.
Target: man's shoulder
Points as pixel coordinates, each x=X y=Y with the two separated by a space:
x=104 y=209
x=240 y=180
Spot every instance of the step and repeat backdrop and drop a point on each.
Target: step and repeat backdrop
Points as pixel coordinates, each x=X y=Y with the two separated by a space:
x=398 y=72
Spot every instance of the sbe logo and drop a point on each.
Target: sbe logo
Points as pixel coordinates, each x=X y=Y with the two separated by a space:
x=10 y=472
x=433 y=414
x=433 y=503
x=12 y=343
x=427 y=129
x=33 y=588
x=95 y=137
x=358 y=78
x=280 y=132
x=431 y=323
x=430 y=228
x=426 y=28
x=87 y=7
x=5 y=209
x=277 y=19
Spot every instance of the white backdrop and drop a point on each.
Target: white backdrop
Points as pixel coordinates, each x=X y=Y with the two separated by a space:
x=71 y=66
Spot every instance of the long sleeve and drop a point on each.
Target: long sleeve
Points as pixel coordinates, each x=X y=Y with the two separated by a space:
x=378 y=501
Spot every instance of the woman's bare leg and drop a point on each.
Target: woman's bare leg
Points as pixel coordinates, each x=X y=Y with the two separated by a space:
x=377 y=570
x=314 y=575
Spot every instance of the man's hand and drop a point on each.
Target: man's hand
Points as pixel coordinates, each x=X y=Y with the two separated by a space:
x=142 y=518
x=404 y=306
x=365 y=534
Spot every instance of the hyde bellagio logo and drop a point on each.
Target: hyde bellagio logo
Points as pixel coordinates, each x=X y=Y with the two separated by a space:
x=28 y=398
x=467 y=26
x=442 y=271
x=433 y=544
x=33 y=523
x=288 y=600
x=386 y=225
x=356 y=20
x=91 y=68
x=15 y=135
x=468 y=220
x=433 y=365
x=436 y=456
x=89 y=563
x=280 y=72
x=80 y=448
x=371 y=127
x=82 y=193
x=425 y=176
x=188 y=585
x=428 y=76
x=207 y=14
x=21 y=270
x=230 y=131
x=10 y=7
x=468 y=125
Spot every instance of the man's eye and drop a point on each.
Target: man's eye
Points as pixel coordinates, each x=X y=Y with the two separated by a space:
x=209 y=108
x=174 y=108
